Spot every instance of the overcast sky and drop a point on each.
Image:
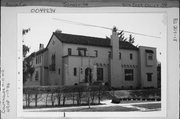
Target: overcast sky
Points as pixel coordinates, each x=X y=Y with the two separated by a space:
x=43 y=25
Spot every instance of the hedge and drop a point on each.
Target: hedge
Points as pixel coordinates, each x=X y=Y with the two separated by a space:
x=58 y=94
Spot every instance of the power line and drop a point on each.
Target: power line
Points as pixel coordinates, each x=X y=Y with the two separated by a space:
x=91 y=25
x=79 y=23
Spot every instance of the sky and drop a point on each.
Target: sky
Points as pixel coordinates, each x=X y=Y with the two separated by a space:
x=43 y=25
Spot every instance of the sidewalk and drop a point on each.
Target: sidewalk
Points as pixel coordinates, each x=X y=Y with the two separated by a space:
x=106 y=103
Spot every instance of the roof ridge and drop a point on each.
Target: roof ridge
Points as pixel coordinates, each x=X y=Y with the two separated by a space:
x=80 y=35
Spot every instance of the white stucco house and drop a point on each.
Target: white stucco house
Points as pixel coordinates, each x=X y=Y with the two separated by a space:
x=74 y=59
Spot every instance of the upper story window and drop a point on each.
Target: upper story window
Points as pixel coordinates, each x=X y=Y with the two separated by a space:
x=69 y=51
x=96 y=53
x=131 y=56
x=53 y=62
x=119 y=55
x=38 y=59
x=53 y=42
x=150 y=56
x=82 y=51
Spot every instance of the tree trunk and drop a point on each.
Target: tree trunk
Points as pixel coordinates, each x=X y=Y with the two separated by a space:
x=35 y=100
x=64 y=99
x=52 y=99
x=59 y=99
x=99 y=97
x=73 y=98
x=28 y=100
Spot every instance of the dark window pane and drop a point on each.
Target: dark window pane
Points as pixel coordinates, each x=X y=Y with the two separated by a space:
x=131 y=56
x=99 y=74
x=75 y=71
x=59 y=71
x=96 y=53
x=150 y=56
x=37 y=76
x=129 y=74
x=119 y=55
x=149 y=76
x=69 y=51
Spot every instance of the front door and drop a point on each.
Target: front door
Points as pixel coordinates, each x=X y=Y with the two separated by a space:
x=99 y=74
x=88 y=76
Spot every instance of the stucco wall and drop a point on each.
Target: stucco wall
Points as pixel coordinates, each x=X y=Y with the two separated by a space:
x=119 y=65
x=55 y=47
x=102 y=51
x=144 y=68
x=76 y=61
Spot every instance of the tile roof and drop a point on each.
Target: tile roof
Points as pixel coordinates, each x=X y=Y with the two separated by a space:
x=127 y=45
x=94 y=41
x=36 y=53
x=83 y=40
x=41 y=51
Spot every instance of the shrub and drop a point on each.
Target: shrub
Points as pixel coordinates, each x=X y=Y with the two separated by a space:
x=116 y=100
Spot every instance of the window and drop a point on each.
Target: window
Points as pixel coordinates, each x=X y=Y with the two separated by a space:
x=36 y=60
x=69 y=51
x=119 y=55
x=129 y=74
x=53 y=62
x=59 y=71
x=149 y=59
x=39 y=59
x=150 y=56
x=75 y=71
x=100 y=74
x=96 y=53
x=149 y=76
x=53 y=42
x=131 y=56
x=82 y=51
x=37 y=76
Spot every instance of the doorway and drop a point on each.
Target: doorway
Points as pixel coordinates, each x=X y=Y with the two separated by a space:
x=88 y=75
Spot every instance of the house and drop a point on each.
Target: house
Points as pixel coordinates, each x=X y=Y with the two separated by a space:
x=75 y=59
x=39 y=62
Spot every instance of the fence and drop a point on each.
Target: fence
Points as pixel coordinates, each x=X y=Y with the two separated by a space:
x=62 y=96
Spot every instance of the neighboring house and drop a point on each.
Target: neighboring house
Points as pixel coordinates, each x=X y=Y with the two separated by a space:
x=39 y=62
x=72 y=59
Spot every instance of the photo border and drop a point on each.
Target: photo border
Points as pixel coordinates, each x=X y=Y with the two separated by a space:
x=171 y=59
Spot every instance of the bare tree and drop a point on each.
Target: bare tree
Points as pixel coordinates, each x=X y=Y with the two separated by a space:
x=131 y=39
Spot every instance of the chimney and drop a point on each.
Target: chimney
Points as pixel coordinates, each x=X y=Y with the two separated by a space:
x=41 y=46
x=58 y=31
